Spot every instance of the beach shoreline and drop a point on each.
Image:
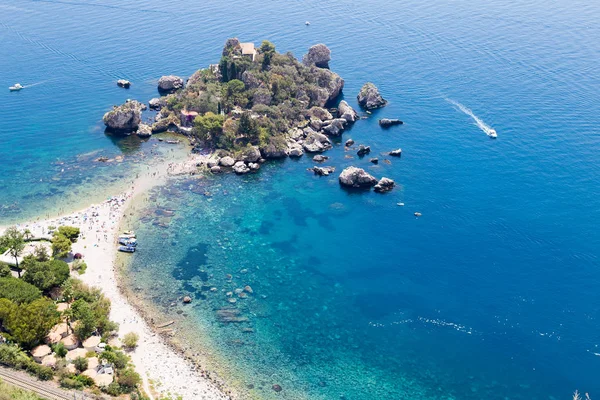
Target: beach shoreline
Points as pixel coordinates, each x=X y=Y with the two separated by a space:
x=164 y=369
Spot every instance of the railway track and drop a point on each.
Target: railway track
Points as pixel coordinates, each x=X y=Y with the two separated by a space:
x=42 y=389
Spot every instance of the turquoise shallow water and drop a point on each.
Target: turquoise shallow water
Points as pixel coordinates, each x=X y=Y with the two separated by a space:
x=491 y=293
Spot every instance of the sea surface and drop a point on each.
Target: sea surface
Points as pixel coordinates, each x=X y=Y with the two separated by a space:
x=491 y=293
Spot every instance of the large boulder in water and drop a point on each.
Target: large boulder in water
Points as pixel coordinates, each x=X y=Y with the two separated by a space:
x=347 y=112
x=250 y=154
x=169 y=84
x=335 y=127
x=125 y=118
x=356 y=177
x=384 y=185
x=144 y=130
x=318 y=55
x=369 y=97
x=276 y=148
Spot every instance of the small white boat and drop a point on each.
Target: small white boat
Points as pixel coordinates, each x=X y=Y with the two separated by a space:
x=15 y=88
x=307 y=23
x=492 y=133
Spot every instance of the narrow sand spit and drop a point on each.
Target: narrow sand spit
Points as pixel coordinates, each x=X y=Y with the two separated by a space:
x=99 y=224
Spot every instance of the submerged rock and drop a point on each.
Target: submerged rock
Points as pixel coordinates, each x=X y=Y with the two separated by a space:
x=318 y=55
x=231 y=315
x=386 y=122
x=169 y=84
x=125 y=118
x=384 y=185
x=322 y=171
x=363 y=150
x=369 y=97
x=356 y=177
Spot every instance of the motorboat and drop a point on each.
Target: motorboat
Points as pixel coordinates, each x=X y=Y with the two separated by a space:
x=15 y=88
x=127 y=249
x=128 y=242
x=492 y=133
x=307 y=23
x=127 y=235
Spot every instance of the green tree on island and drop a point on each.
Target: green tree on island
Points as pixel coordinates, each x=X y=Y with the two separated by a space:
x=28 y=324
x=208 y=127
x=267 y=49
x=14 y=241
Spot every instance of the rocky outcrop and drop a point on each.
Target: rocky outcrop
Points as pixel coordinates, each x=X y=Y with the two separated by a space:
x=274 y=149
x=356 y=177
x=124 y=118
x=387 y=122
x=347 y=112
x=250 y=80
x=363 y=150
x=369 y=97
x=322 y=171
x=227 y=161
x=374 y=160
x=396 y=153
x=295 y=150
x=330 y=86
x=157 y=103
x=169 y=84
x=123 y=83
x=318 y=55
x=384 y=185
x=249 y=154
x=349 y=142
x=161 y=125
x=240 y=168
x=320 y=113
x=144 y=130
x=316 y=143
x=320 y=158
x=335 y=127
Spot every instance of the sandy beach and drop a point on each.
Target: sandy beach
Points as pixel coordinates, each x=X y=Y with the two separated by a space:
x=159 y=365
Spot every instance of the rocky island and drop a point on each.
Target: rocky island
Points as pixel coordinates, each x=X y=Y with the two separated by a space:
x=254 y=105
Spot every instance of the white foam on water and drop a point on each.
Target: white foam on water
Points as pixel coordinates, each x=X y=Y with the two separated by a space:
x=488 y=130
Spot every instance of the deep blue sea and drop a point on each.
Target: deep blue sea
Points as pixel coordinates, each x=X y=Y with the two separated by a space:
x=491 y=293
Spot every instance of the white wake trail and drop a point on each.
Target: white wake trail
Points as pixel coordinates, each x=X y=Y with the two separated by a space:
x=488 y=130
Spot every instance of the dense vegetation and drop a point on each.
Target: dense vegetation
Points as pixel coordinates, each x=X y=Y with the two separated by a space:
x=28 y=312
x=245 y=102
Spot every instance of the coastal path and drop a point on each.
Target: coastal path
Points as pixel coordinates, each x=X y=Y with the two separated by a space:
x=45 y=390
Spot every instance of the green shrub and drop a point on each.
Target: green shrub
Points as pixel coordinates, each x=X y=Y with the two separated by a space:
x=43 y=373
x=70 y=382
x=128 y=379
x=85 y=380
x=80 y=363
x=5 y=270
x=114 y=389
x=60 y=350
x=130 y=340
x=79 y=266
x=46 y=275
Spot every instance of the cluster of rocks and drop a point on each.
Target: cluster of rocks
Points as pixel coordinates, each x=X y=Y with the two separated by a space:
x=244 y=162
x=123 y=83
x=354 y=177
